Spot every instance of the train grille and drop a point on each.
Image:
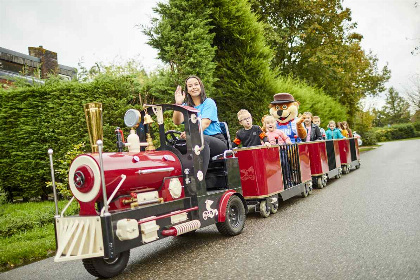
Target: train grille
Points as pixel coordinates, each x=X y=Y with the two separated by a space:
x=290 y=165
x=78 y=238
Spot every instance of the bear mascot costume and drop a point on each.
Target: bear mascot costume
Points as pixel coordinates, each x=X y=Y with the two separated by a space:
x=284 y=109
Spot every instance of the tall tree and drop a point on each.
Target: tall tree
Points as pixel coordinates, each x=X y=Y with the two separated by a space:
x=396 y=109
x=183 y=39
x=243 y=57
x=314 y=41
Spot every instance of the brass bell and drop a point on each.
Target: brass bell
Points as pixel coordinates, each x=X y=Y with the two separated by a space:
x=147 y=119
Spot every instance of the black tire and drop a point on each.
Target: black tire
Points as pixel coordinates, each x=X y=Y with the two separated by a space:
x=264 y=211
x=275 y=207
x=107 y=268
x=310 y=188
x=358 y=166
x=324 y=181
x=235 y=217
x=319 y=183
x=305 y=192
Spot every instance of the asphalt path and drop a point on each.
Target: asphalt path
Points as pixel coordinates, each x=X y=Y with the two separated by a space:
x=365 y=225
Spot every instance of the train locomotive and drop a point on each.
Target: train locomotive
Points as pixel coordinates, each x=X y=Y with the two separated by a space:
x=128 y=199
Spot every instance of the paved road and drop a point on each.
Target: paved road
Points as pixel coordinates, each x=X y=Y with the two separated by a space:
x=365 y=225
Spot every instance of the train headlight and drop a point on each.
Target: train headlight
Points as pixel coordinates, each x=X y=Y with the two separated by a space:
x=84 y=178
x=132 y=117
x=175 y=188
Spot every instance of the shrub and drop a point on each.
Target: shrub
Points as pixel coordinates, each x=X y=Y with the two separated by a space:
x=395 y=132
x=416 y=126
x=369 y=138
x=46 y=116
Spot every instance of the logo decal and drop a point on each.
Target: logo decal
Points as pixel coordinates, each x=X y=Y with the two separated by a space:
x=210 y=213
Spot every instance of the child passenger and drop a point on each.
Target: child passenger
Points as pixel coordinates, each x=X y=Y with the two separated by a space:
x=347 y=128
x=275 y=136
x=333 y=132
x=250 y=135
x=317 y=121
x=343 y=131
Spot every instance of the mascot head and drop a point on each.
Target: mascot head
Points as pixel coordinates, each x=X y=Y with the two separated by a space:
x=284 y=108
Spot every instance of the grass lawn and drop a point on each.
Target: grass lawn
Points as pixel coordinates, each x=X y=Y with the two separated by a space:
x=368 y=148
x=27 y=232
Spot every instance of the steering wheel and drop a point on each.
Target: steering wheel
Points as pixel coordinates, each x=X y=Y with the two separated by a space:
x=176 y=142
x=173 y=139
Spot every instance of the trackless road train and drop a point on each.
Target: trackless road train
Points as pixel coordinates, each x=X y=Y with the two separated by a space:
x=128 y=199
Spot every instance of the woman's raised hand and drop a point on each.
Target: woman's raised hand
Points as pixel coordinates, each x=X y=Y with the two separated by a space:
x=179 y=95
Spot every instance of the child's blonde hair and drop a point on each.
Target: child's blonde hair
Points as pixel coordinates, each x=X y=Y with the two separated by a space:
x=332 y=122
x=241 y=113
x=316 y=118
x=265 y=119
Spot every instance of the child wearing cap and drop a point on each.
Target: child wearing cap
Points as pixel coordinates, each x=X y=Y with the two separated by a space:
x=249 y=135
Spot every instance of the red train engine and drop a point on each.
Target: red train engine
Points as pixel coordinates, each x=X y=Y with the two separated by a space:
x=128 y=199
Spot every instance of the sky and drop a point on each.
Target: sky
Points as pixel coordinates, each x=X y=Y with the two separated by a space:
x=108 y=31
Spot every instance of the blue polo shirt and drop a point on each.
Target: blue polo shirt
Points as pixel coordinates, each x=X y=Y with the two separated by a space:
x=208 y=110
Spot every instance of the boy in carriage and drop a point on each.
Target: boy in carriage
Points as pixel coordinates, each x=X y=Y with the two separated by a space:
x=249 y=135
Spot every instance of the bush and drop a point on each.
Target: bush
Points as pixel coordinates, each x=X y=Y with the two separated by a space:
x=416 y=126
x=38 y=117
x=369 y=138
x=395 y=132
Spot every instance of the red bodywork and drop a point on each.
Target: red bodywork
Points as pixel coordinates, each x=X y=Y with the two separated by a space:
x=305 y=164
x=318 y=158
x=129 y=164
x=344 y=148
x=260 y=169
x=337 y=153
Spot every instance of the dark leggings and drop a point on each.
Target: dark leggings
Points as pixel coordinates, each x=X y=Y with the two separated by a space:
x=213 y=145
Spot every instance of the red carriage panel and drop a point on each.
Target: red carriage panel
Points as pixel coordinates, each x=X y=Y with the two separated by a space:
x=337 y=153
x=260 y=170
x=305 y=164
x=318 y=157
x=344 y=148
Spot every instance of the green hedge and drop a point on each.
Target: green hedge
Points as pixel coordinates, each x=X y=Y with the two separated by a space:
x=398 y=131
x=36 y=118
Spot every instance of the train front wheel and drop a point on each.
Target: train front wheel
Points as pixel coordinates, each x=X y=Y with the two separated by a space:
x=235 y=217
x=107 y=268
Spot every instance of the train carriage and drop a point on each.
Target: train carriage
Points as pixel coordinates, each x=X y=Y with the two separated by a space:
x=269 y=174
x=128 y=199
x=349 y=154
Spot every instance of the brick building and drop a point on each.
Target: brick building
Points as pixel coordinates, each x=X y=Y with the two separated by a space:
x=38 y=64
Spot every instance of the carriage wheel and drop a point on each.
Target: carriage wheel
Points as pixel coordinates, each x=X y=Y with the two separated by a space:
x=107 y=268
x=324 y=181
x=310 y=188
x=264 y=209
x=305 y=192
x=235 y=217
x=347 y=171
x=319 y=183
x=274 y=207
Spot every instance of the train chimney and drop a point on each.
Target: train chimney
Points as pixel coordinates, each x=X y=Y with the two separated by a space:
x=93 y=113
